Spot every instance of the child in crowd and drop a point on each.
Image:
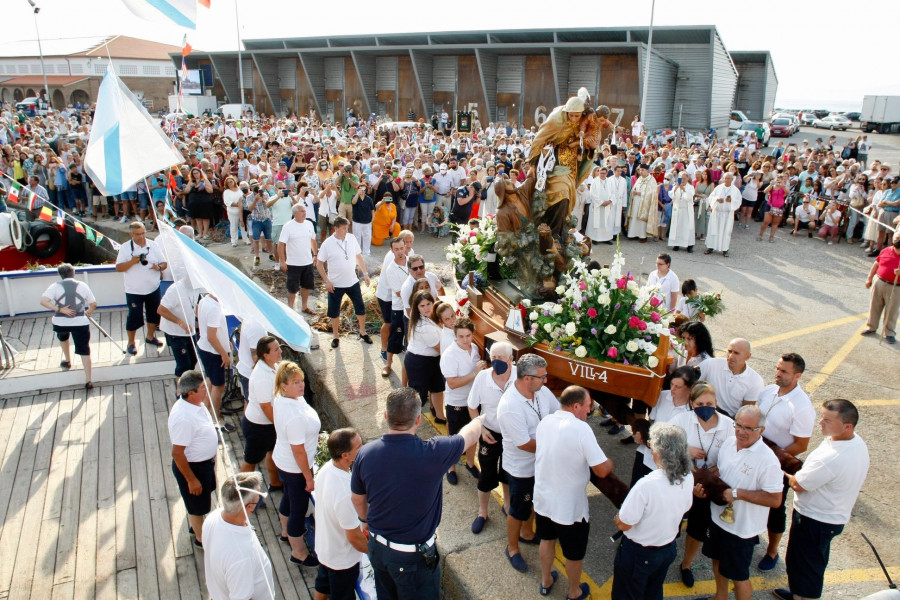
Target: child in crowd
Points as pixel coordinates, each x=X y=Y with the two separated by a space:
x=688 y=290
x=437 y=223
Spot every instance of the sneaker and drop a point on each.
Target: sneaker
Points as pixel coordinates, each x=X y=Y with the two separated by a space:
x=227 y=427
x=867 y=332
x=309 y=561
x=366 y=338
x=384 y=355
x=132 y=349
x=890 y=339
x=123 y=220
x=256 y=261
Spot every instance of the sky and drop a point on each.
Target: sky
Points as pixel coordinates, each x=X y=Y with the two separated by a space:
x=825 y=57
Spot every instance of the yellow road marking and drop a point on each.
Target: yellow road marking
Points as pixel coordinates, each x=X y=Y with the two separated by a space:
x=834 y=362
x=894 y=402
x=805 y=330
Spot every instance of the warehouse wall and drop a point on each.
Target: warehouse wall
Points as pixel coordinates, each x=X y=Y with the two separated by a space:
x=661 y=90
x=750 y=96
x=724 y=83
x=693 y=84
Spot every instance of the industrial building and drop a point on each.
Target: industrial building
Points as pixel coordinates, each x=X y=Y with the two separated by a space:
x=513 y=75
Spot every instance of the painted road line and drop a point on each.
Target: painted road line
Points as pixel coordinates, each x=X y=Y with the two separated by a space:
x=806 y=330
x=895 y=402
x=834 y=362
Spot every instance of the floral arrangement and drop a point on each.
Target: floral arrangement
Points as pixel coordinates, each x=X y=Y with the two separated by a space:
x=474 y=248
x=602 y=314
x=710 y=304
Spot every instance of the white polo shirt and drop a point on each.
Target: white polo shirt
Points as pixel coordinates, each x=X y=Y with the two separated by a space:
x=519 y=418
x=788 y=416
x=261 y=391
x=192 y=427
x=731 y=390
x=340 y=257
x=832 y=477
x=251 y=332
x=665 y=410
x=668 y=284
x=709 y=441
x=296 y=422
x=566 y=451
x=141 y=279
x=334 y=516
x=456 y=362
x=754 y=469
x=434 y=282
x=236 y=565
x=297 y=239
x=654 y=508
x=181 y=300
x=391 y=281
x=424 y=338
x=209 y=314
x=57 y=294
x=486 y=393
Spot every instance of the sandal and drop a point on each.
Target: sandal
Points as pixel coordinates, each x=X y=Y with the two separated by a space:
x=308 y=311
x=335 y=343
x=386 y=372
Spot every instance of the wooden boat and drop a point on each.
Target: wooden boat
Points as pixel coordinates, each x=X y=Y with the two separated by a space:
x=489 y=310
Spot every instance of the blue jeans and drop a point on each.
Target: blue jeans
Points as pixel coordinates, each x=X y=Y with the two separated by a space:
x=640 y=571
x=259 y=228
x=403 y=575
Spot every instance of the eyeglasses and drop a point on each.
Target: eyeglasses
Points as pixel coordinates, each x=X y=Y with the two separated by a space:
x=419 y=268
x=745 y=429
x=541 y=377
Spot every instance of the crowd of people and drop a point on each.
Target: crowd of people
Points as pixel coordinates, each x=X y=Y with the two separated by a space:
x=316 y=197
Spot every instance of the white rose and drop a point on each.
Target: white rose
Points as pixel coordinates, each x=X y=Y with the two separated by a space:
x=526 y=302
x=548 y=327
x=533 y=316
x=631 y=346
x=560 y=290
x=653 y=362
x=558 y=309
x=580 y=351
x=604 y=299
x=569 y=293
x=571 y=328
x=633 y=286
x=610 y=329
x=604 y=272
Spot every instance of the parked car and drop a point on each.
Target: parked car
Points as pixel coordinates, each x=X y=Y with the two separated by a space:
x=808 y=118
x=821 y=113
x=833 y=122
x=748 y=127
x=33 y=107
x=853 y=116
x=737 y=117
x=795 y=122
x=782 y=127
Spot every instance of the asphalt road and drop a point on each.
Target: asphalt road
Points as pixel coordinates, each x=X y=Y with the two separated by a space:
x=885 y=147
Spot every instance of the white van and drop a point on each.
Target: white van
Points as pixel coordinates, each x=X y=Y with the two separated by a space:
x=234 y=111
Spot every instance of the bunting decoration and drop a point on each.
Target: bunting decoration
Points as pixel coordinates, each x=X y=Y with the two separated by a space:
x=12 y=194
x=46 y=214
x=33 y=200
x=79 y=228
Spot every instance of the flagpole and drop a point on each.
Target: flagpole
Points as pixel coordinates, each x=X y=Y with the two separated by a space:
x=237 y=22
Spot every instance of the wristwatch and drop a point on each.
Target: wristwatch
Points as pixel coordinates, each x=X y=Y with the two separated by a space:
x=734 y=493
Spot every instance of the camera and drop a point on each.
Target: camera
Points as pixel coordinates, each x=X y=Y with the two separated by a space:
x=255 y=189
x=142 y=258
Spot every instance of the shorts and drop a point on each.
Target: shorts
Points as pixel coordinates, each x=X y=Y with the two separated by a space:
x=809 y=548
x=490 y=457
x=300 y=276
x=573 y=539
x=698 y=518
x=776 y=212
x=733 y=553
x=97 y=200
x=424 y=373
x=337 y=584
x=205 y=471
x=81 y=335
x=395 y=339
x=354 y=292
x=129 y=196
x=777 y=522
x=143 y=201
x=457 y=418
x=212 y=366
x=140 y=305
x=183 y=351
x=259 y=440
x=259 y=228
x=385 y=306
x=521 y=497
x=747 y=203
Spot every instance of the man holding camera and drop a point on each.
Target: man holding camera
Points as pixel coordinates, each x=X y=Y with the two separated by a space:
x=142 y=262
x=260 y=219
x=347 y=183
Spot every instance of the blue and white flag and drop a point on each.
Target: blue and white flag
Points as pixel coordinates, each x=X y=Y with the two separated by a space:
x=126 y=144
x=238 y=294
x=178 y=12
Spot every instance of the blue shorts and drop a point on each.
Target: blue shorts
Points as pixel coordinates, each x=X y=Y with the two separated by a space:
x=212 y=365
x=261 y=228
x=127 y=196
x=521 y=497
x=143 y=201
x=354 y=292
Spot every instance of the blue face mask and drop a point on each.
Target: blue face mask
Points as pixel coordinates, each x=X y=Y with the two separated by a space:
x=705 y=413
x=500 y=366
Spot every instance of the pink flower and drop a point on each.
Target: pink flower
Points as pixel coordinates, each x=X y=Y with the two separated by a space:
x=642 y=326
x=582 y=286
x=655 y=317
x=612 y=352
x=472 y=234
x=622 y=283
x=592 y=312
x=654 y=301
x=634 y=321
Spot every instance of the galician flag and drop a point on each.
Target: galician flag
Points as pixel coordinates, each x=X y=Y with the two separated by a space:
x=126 y=144
x=179 y=12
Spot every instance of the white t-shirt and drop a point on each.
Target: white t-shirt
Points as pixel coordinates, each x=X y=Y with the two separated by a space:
x=85 y=297
x=261 y=391
x=340 y=256
x=667 y=284
x=383 y=292
x=297 y=239
x=519 y=418
x=236 y=565
x=296 y=422
x=391 y=280
x=141 y=279
x=731 y=390
x=209 y=314
x=665 y=409
x=424 y=338
x=251 y=332
x=233 y=199
x=192 y=427
x=788 y=416
x=754 y=469
x=433 y=281
x=182 y=302
x=456 y=362
x=334 y=516
x=448 y=338
x=654 y=508
x=832 y=477
x=486 y=393
x=688 y=310
x=566 y=451
x=709 y=441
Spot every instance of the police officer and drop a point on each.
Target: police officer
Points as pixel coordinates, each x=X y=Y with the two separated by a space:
x=72 y=302
x=402 y=504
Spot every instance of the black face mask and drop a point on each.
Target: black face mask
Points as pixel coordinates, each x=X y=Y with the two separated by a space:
x=897 y=244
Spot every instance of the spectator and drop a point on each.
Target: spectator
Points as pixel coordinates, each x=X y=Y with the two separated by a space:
x=297 y=250
x=73 y=303
x=142 y=263
x=342 y=255
x=363 y=213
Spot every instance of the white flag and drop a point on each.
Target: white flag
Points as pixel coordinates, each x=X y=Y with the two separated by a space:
x=180 y=12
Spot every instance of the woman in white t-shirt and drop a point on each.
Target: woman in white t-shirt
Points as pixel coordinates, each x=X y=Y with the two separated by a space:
x=234 y=207
x=446 y=318
x=423 y=360
x=666 y=281
x=297 y=427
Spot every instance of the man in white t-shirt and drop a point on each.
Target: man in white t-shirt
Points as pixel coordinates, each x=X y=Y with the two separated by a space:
x=567 y=452
x=342 y=255
x=383 y=293
x=251 y=332
x=389 y=284
x=178 y=318
x=666 y=280
x=340 y=540
x=522 y=406
x=825 y=489
x=73 y=302
x=214 y=351
x=296 y=251
x=790 y=419
x=417 y=271
x=142 y=262
x=736 y=384
x=235 y=563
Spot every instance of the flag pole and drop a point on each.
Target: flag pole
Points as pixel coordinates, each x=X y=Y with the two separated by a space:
x=237 y=23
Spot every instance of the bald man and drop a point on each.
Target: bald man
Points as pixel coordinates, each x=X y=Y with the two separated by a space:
x=736 y=384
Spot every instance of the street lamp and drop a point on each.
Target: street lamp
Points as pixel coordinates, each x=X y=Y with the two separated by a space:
x=40 y=53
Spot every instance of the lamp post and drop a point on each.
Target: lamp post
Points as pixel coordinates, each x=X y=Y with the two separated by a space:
x=40 y=53
x=646 y=65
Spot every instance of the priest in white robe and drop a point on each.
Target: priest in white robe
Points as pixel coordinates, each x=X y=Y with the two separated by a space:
x=722 y=203
x=681 y=229
x=601 y=217
x=643 y=216
x=620 y=198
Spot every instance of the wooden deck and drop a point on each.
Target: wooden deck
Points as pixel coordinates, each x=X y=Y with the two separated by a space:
x=90 y=508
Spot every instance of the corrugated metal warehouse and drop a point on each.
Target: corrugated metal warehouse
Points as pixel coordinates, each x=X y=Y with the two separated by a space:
x=511 y=76
x=757 y=84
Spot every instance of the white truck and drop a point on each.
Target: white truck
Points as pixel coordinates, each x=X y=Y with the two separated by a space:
x=880 y=114
x=193 y=105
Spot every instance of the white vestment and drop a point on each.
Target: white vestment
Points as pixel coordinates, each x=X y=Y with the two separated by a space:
x=636 y=227
x=620 y=202
x=601 y=218
x=681 y=229
x=721 y=219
